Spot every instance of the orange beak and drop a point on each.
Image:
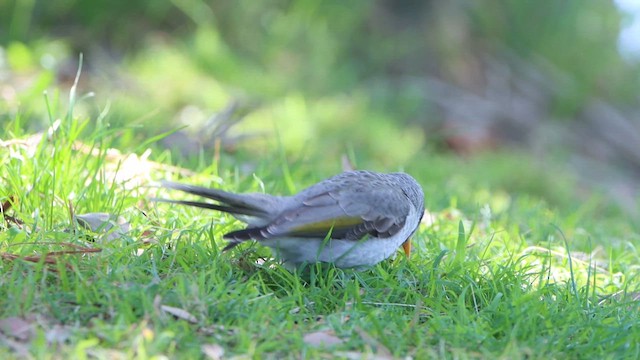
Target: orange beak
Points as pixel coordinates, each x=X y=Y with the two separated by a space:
x=406 y=246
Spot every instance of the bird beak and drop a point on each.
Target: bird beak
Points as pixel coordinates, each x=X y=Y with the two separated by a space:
x=406 y=246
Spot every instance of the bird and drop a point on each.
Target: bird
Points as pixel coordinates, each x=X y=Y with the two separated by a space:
x=355 y=219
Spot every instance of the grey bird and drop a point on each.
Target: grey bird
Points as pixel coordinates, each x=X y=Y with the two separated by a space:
x=353 y=219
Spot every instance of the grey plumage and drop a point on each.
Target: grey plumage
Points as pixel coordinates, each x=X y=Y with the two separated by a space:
x=363 y=216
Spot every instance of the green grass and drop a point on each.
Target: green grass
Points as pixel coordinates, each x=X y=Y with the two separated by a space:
x=515 y=278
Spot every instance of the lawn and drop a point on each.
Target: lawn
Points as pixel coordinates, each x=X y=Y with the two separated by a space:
x=526 y=149
x=92 y=269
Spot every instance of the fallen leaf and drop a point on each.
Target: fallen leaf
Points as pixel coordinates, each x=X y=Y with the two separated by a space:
x=295 y=310
x=213 y=351
x=326 y=338
x=356 y=355
x=381 y=350
x=17 y=328
x=6 y=205
x=58 y=334
x=20 y=349
x=179 y=313
x=14 y=220
x=114 y=227
x=216 y=330
x=51 y=257
x=347 y=164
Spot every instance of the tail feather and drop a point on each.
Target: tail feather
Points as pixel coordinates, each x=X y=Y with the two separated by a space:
x=235 y=201
x=254 y=233
x=248 y=208
x=231 y=203
x=238 y=237
x=210 y=206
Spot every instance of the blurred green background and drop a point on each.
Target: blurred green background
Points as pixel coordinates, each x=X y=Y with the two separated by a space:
x=518 y=96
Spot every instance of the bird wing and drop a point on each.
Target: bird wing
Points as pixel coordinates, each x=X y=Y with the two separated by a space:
x=341 y=213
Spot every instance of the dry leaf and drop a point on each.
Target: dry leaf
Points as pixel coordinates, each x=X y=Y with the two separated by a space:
x=213 y=351
x=295 y=310
x=347 y=165
x=356 y=355
x=20 y=349
x=216 y=330
x=58 y=334
x=326 y=338
x=6 y=205
x=381 y=350
x=51 y=257
x=104 y=223
x=179 y=313
x=16 y=327
x=12 y=220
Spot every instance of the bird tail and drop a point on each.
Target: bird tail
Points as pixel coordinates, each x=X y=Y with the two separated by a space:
x=237 y=237
x=254 y=209
x=235 y=204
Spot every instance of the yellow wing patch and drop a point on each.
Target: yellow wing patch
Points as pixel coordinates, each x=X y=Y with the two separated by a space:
x=328 y=224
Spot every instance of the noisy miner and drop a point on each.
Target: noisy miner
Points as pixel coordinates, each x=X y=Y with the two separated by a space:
x=353 y=219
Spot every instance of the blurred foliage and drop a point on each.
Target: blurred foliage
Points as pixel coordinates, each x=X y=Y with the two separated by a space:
x=117 y=24
x=322 y=46
x=579 y=38
x=324 y=77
